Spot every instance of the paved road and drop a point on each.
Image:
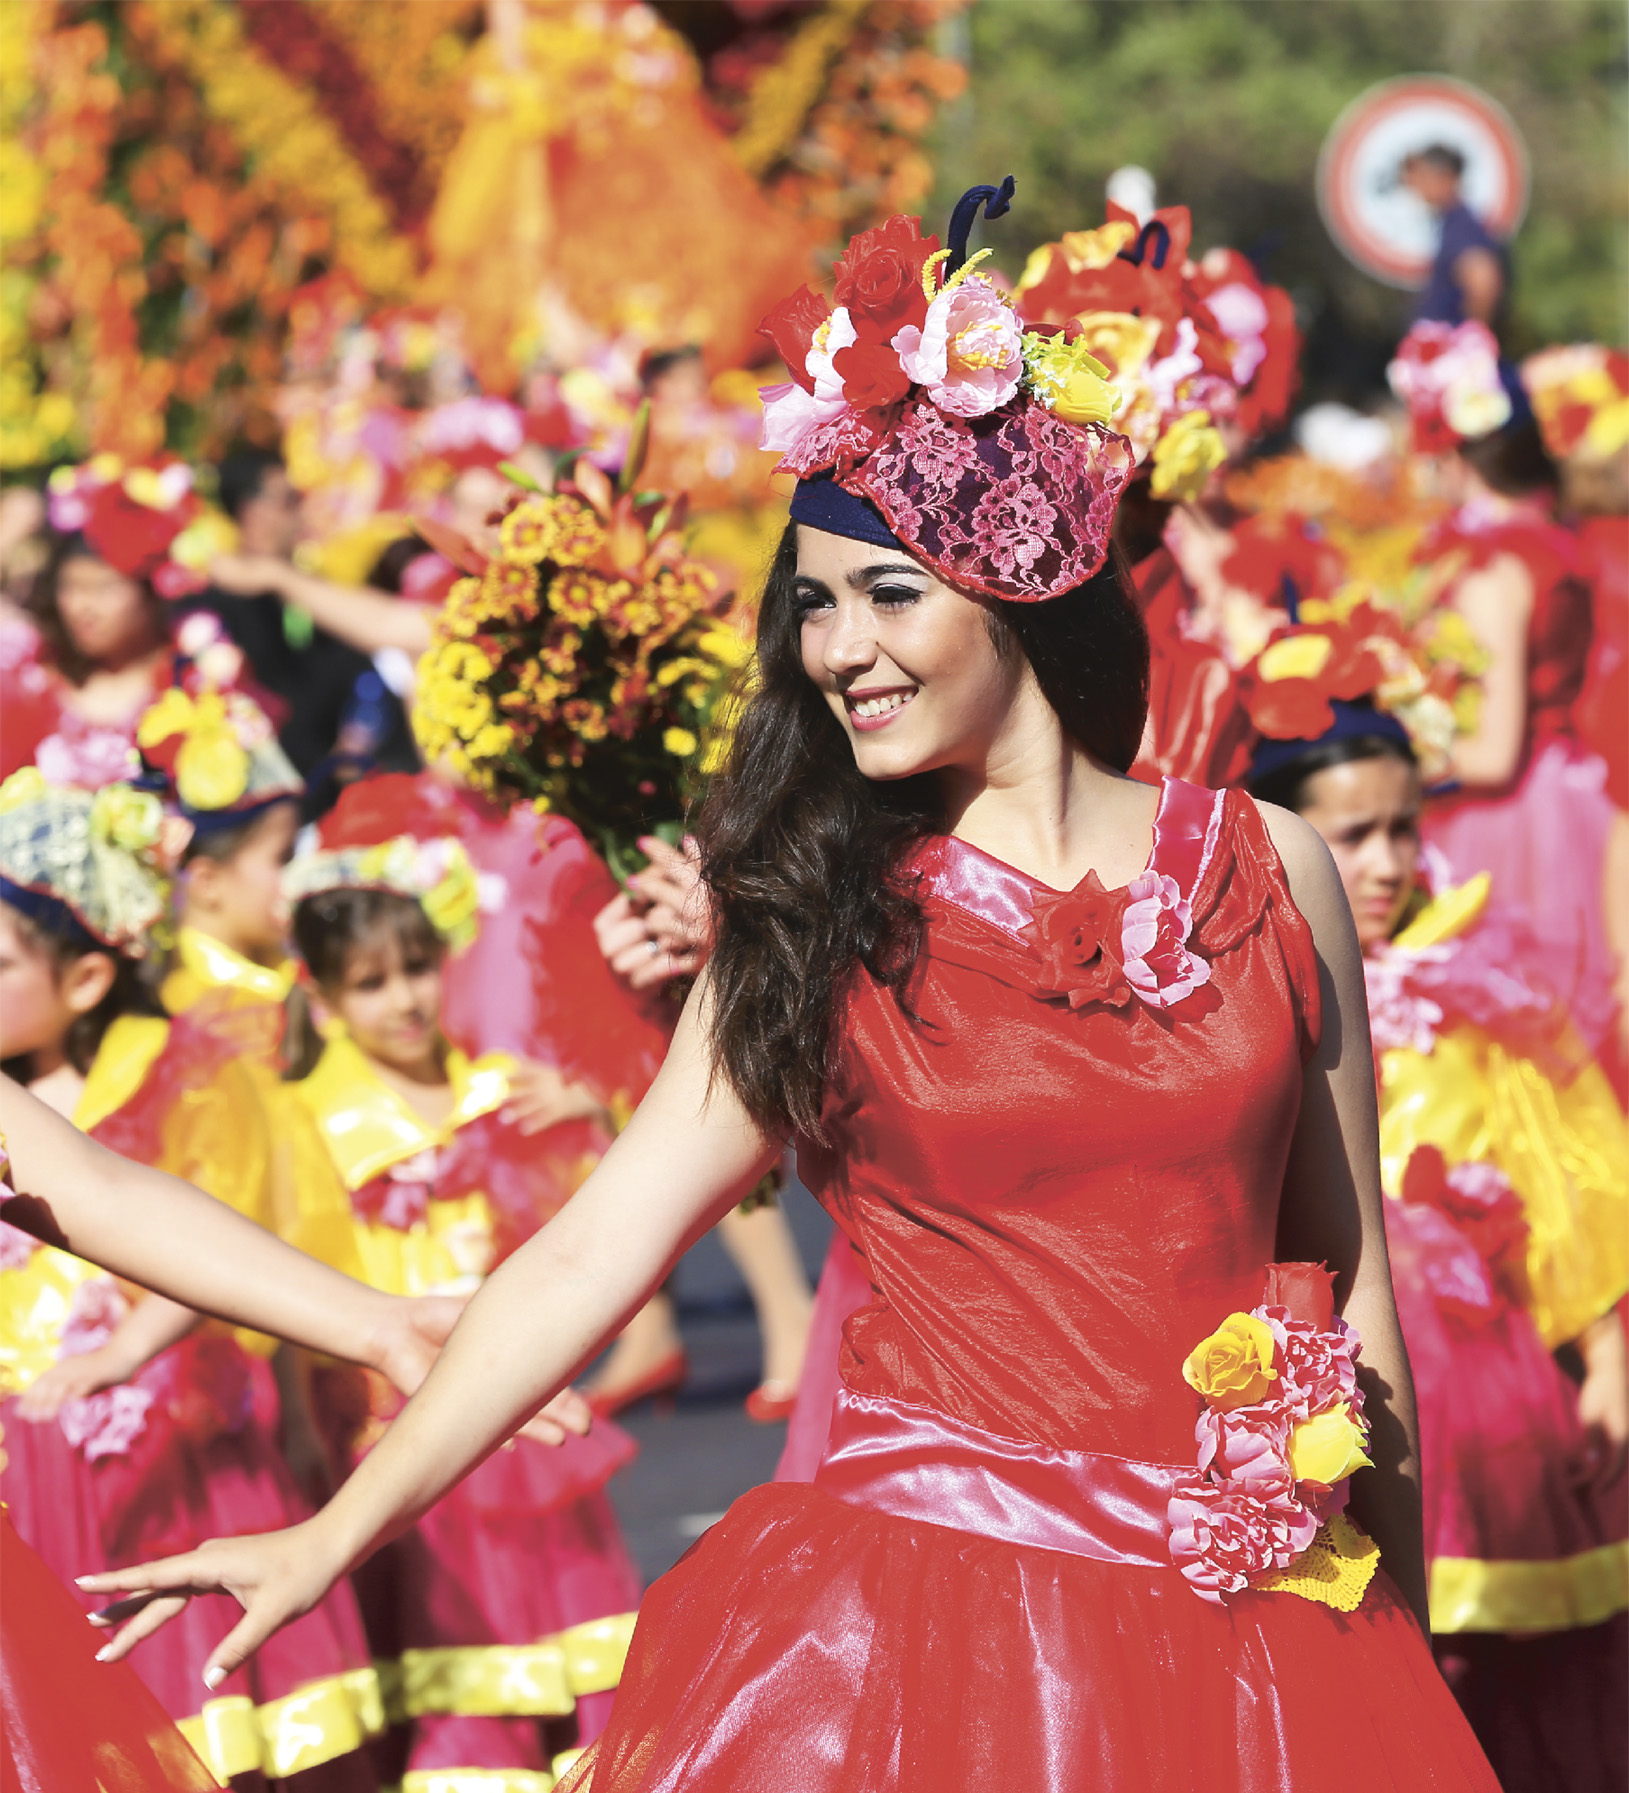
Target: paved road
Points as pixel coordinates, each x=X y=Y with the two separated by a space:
x=695 y=1460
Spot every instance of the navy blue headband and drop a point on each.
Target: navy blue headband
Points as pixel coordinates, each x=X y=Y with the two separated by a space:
x=217 y=821
x=1352 y=722
x=823 y=504
x=52 y=914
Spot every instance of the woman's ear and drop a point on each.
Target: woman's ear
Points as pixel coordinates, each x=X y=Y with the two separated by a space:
x=87 y=980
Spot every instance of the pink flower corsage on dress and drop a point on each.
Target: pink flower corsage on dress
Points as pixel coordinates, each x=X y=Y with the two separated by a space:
x=1281 y=1430
x=1098 y=945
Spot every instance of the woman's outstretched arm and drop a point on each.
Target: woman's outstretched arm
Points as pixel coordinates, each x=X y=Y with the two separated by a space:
x=160 y=1232
x=689 y=1151
x=1332 y=1210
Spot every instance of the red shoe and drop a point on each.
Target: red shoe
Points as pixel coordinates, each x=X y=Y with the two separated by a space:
x=660 y=1383
x=766 y=1407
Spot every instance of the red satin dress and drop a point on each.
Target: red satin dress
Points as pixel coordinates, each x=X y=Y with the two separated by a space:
x=1058 y=1188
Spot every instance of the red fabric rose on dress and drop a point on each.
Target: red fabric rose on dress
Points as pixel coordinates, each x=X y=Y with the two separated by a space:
x=1306 y=1292
x=1077 y=937
x=1478 y=1198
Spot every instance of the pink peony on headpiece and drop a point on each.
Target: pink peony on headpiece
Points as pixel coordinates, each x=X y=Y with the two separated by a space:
x=982 y=446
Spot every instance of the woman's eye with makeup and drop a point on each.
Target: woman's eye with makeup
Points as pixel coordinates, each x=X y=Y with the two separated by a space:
x=810 y=603
x=892 y=596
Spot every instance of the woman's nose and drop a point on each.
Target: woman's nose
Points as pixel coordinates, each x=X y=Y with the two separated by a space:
x=851 y=642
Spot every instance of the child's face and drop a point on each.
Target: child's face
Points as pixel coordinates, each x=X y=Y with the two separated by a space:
x=390 y=1002
x=40 y=1000
x=240 y=901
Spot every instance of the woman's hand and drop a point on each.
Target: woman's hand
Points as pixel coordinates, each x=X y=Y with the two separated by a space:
x=660 y=927
x=72 y=1380
x=1603 y=1399
x=540 y=1098
x=274 y=1577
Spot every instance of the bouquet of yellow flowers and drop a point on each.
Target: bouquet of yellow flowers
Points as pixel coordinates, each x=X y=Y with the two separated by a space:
x=587 y=667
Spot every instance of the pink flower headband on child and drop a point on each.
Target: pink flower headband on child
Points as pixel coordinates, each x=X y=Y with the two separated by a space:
x=922 y=414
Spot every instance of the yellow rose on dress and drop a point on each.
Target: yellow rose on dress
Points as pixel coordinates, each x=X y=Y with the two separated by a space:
x=1185 y=457
x=1234 y=1366
x=125 y=818
x=1328 y=1447
x=172 y=714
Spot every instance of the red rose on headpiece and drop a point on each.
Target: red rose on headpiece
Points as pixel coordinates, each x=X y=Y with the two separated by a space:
x=870 y=370
x=132 y=538
x=791 y=328
x=1077 y=936
x=879 y=277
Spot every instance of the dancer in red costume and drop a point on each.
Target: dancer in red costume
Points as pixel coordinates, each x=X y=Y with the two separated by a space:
x=1061 y=1539
x=1509 y=1234
x=1532 y=808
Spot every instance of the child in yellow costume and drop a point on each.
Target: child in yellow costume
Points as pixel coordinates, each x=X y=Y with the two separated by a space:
x=509 y=1604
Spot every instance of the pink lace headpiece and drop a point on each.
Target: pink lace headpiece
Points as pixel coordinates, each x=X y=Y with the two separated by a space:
x=982 y=445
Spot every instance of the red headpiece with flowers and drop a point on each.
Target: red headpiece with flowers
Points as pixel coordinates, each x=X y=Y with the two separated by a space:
x=983 y=446
x=1448 y=375
x=144 y=521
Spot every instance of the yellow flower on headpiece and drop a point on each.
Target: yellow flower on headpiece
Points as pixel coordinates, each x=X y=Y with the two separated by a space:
x=1185 y=457
x=25 y=785
x=128 y=819
x=1294 y=657
x=172 y=714
x=212 y=768
x=204 y=539
x=1069 y=379
x=453 y=903
x=1121 y=339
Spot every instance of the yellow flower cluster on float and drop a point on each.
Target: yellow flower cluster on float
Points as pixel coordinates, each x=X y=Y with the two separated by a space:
x=585 y=669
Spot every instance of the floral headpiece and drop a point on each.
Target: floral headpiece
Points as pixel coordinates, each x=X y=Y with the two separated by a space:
x=384 y=834
x=219 y=752
x=1580 y=395
x=1186 y=346
x=144 y=521
x=984 y=446
x=1352 y=667
x=1450 y=378
x=95 y=859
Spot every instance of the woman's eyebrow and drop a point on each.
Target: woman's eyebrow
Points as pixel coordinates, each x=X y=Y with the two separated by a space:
x=860 y=576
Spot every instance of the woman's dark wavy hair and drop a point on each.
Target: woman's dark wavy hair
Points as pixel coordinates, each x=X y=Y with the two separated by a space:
x=799 y=849
x=132 y=992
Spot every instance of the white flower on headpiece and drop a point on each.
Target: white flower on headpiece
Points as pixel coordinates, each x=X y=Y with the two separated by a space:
x=969 y=352
x=791 y=411
x=1242 y=314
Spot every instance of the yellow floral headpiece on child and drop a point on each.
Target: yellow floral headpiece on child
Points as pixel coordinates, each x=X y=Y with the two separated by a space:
x=384 y=834
x=220 y=753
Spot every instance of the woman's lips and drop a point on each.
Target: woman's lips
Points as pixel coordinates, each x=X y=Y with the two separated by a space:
x=873 y=710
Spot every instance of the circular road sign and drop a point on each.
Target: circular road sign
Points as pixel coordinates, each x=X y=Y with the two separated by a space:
x=1378 y=223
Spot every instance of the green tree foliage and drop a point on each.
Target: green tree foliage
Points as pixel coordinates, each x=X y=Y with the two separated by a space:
x=1226 y=102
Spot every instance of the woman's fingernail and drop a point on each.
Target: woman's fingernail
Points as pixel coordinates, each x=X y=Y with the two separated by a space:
x=105 y=1652
x=213 y=1677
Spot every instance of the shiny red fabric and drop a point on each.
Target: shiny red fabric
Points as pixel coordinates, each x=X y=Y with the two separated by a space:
x=68 y=1723
x=1054 y=1204
x=1604 y=705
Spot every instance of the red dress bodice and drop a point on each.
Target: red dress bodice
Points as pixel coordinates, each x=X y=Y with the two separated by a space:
x=1055 y=1203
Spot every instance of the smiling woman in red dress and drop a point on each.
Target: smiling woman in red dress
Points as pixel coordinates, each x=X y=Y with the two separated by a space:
x=1071 y=1061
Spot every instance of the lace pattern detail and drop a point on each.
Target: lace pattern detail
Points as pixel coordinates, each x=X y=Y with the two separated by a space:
x=1017 y=504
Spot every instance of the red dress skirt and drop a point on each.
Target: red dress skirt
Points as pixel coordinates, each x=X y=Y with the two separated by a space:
x=1062 y=1176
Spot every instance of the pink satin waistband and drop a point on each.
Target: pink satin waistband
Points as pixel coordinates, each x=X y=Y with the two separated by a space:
x=915 y=1463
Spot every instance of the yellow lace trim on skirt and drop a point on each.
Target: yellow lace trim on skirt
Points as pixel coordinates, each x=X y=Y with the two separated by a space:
x=1468 y=1594
x=1335 y=1569
x=314 y=1724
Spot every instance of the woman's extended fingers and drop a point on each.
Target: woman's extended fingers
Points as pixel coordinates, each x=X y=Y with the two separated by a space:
x=147 y=1613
